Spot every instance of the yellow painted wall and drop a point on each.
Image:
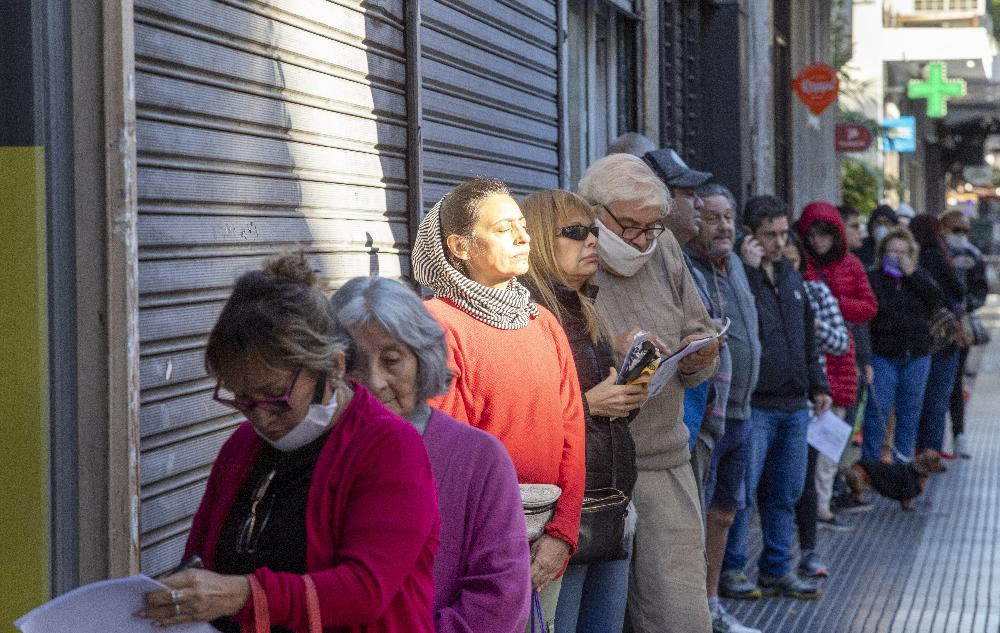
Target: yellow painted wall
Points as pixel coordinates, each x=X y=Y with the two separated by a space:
x=24 y=439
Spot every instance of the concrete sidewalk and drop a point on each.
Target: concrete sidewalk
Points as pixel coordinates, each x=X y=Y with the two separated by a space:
x=935 y=570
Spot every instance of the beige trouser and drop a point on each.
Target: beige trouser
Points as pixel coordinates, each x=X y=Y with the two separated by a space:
x=667 y=581
x=701 y=460
x=550 y=597
x=826 y=472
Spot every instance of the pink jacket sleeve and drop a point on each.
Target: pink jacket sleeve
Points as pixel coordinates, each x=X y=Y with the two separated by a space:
x=392 y=513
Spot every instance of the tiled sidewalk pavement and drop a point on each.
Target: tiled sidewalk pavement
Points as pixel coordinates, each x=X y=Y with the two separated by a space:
x=935 y=570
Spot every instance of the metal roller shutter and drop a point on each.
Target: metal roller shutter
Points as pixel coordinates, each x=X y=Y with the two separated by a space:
x=262 y=126
x=490 y=94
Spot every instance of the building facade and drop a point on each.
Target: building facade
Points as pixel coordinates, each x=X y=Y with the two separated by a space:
x=181 y=142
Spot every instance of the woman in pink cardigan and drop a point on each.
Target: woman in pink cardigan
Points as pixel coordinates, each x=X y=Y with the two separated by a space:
x=482 y=573
x=322 y=480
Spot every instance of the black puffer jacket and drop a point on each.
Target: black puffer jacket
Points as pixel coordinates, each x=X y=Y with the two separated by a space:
x=790 y=372
x=610 y=448
x=905 y=306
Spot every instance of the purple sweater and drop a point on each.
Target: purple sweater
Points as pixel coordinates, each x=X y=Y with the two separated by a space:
x=482 y=572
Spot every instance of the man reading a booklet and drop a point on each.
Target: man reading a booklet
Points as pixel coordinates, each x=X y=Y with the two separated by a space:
x=645 y=283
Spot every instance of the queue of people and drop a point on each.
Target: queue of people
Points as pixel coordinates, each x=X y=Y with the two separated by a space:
x=388 y=473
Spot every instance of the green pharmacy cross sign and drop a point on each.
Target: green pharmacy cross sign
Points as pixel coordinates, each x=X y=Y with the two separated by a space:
x=936 y=89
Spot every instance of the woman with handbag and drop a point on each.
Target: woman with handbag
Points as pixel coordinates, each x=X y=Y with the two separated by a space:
x=967 y=262
x=901 y=336
x=320 y=511
x=563 y=262
x=935 y=259
x=482 y=570
x=514 y=371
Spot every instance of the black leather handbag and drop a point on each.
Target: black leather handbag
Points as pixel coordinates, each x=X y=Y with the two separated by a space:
x=602 y=527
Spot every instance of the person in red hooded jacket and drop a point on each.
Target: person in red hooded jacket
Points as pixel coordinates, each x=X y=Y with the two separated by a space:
x=828 y=259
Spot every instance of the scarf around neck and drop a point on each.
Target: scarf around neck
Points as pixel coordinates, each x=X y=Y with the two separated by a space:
x=507 y=308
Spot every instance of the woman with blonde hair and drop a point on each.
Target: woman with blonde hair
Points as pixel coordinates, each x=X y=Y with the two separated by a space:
x=563 y=262
x=901 y=341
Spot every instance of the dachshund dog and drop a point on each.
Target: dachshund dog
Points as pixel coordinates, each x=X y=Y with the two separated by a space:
x=902 y=482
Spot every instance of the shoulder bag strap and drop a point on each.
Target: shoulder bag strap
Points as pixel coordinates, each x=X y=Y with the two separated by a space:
x=312 y=605
x=261 y=616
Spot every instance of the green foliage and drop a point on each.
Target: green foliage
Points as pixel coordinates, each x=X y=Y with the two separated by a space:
x=859 y=183
x=993 y=9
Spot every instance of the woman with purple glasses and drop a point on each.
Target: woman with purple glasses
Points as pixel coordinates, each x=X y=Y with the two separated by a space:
x=321 y=483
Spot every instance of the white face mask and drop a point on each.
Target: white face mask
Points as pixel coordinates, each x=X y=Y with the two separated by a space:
x=619 y=256
x=957 y=242
x=316 y=422
x=880 y=232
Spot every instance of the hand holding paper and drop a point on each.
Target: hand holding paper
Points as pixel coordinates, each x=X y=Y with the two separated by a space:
x=828 y=434
x=109 y=606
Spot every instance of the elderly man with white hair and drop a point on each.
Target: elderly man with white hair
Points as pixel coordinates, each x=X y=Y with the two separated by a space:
x=645 y=283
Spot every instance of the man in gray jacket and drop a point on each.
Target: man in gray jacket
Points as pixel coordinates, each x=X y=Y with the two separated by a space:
x=711 y=251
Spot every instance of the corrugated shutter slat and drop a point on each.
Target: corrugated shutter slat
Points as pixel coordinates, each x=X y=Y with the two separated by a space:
x=262 y=126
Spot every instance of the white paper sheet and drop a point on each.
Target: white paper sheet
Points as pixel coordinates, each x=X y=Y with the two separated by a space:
x=107 y=606
x=668 y=366
x=829 y=435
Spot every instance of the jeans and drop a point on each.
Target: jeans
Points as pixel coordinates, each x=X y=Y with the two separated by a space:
x=899 y=382
x=592 y=597
x=695 y=404
x=778 y=460
x=937 y=397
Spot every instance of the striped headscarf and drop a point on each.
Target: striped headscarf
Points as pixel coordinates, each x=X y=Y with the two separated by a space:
x=509 y=308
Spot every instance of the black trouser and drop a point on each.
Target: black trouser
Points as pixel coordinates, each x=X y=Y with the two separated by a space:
x=805 y=509
x=957 y=408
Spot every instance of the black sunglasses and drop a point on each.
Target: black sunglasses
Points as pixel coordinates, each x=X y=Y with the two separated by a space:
x=577 y=232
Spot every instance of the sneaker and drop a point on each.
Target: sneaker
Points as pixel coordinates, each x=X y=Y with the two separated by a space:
x=723 y=622
x=734 y=584
x=790 y=586
x=834 y=522
x=810 y=565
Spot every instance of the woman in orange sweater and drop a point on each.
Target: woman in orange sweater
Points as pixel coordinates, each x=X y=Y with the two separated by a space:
x=514 y=370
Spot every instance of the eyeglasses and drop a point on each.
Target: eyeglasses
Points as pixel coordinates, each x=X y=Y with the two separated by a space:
x=271 y=405
x=577 y=232
x=251 y=528
x=630 y=232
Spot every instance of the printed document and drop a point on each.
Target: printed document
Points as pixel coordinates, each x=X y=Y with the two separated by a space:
x=668 y=366
x=828 y=434
x=108 y=606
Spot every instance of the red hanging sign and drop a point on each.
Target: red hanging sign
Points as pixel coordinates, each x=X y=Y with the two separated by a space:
x=817 y=86
x=852 y=137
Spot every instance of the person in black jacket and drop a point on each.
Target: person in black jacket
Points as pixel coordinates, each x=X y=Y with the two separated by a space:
x=562 y=262
x=967 y=261
x=880 y=222
x=935 y=259
x=790 y=375
x=901 y=340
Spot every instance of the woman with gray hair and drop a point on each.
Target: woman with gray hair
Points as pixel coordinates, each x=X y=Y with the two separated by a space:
x=482 y=570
